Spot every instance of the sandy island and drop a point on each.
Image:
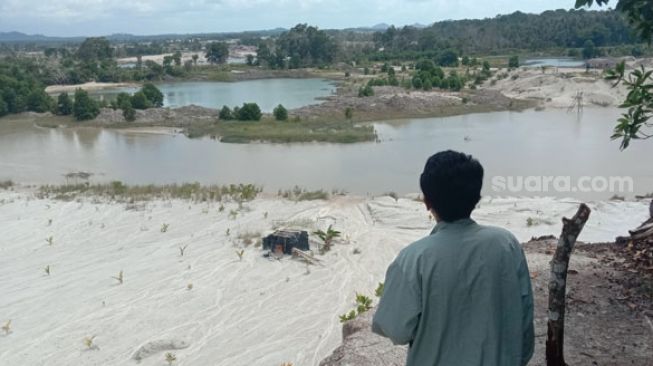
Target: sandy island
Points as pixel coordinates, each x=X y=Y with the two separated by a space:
x=207 y=306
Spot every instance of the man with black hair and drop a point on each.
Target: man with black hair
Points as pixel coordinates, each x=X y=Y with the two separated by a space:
x=462 y=295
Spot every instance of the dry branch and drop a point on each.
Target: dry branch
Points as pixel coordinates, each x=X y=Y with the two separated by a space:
x=571 y=228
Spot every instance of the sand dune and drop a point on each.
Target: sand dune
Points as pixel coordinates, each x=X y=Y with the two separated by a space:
x=251 y=312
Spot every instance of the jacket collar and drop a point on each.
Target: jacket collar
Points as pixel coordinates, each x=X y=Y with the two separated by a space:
x=452 y=224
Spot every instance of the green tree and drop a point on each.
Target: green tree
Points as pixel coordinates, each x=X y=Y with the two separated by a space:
x=139 y=101
x=64 y=104
x=589 y=49
x=427 y=85
x=448 y=58
x=226 y=114
x=95 y=49
x=153 y=94
x=4 y=108
x=417 y=82
x=195 y=57
x=217 y=53
x=250 y=60
x=366 y=91
x=129 y=113
x=639 y=101
x=249 y=112
x=176 y=57
x=123 y=100
x=280 y=113
x=39 y=101
x=513 y=62
x=84 y=107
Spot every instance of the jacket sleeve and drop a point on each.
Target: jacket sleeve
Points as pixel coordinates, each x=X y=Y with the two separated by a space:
x=398 y=312
x=528 y=332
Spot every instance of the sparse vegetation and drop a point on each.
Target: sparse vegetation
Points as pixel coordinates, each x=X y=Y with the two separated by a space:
x=240 y=254
x=189 y=286
x=119 y=277
x=47 y=270
x=7 y=327
x=302 y=194
x=327 y=237
x=182 y=250
x=6 y=184
x=89 y=342
x=164 y=228
x=378 y=292
x=127 y=193
x=170 y=358
x=363 y=304
x=530 y=222
x=49 y=240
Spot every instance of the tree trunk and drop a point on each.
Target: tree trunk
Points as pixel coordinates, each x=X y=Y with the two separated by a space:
x=558 y=286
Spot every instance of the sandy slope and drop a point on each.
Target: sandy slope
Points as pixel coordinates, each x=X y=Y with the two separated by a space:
x=90 y=86
x=557 y=88
x=254 y=312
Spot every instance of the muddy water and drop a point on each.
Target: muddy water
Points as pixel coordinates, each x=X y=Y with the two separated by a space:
x=509 y=144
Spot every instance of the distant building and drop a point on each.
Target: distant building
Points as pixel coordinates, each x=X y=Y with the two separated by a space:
x=283 y=241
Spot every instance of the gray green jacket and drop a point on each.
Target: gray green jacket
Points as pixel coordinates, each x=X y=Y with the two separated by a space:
x=460 y=297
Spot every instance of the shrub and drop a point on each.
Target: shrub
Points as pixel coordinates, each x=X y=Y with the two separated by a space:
x=226 y=114
x=249 y=112
x=64 y=105
x=129 y=113
x=139 y=101
x=153 y=94
x=280 y=113
x=84 y=108
x=366 y=91
x=349 y=113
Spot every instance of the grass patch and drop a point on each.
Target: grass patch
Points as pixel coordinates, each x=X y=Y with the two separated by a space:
x=269 y=130
x=6 y=184
x=130 y=193
x=302 y=194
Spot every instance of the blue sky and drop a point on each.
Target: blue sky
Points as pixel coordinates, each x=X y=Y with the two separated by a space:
x=100 y=17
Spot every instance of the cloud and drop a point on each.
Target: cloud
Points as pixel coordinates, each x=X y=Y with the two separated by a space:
x=92 y=17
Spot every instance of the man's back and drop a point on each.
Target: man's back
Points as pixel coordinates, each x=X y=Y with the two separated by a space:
x=461 y=296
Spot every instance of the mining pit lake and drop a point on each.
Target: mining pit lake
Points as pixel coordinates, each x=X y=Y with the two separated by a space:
x=510 y=145
x=267 y=93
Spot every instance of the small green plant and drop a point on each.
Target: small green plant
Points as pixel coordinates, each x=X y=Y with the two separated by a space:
x=233 y=214
x=327 y=237
x=379 y=289
x=182 y=250
x=348 y=316
x=356 y=251
x=164 y=228
x=363 y=302
x=240 y=254
x=189 y=286
x=265 y=215
x=221 y=208
x=228 y=232
x=49 y=222
x=7 y=327
x=47 y=270
x=530 y=222
x=50 y=240
x=170 y=358
x=89 y=342
x=119 y=277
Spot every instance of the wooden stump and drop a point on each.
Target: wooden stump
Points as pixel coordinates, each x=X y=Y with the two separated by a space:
x=571 y=228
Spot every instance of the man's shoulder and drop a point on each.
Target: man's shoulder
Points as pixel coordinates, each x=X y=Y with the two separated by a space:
x=496 y=233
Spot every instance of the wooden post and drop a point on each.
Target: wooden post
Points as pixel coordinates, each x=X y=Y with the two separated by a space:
x=558 y=286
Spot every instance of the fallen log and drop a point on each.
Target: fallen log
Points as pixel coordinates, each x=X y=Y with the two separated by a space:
x=571 y=228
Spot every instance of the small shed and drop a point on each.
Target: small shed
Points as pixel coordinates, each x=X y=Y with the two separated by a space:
x=283 y=241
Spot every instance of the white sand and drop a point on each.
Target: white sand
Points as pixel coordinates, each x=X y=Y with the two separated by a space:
x=557 y=87
x=91 y=85
x=254 y=312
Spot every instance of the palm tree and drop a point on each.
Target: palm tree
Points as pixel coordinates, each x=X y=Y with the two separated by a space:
x=327 y=237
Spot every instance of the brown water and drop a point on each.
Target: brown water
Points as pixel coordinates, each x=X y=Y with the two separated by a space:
x=531 y=143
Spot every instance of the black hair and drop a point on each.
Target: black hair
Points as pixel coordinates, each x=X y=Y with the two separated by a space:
x=451 y=184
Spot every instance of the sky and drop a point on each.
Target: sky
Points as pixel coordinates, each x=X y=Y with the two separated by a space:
x=103 y=17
